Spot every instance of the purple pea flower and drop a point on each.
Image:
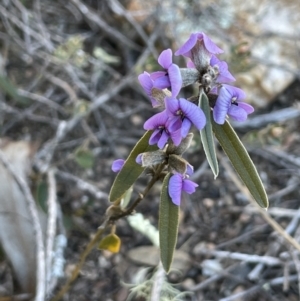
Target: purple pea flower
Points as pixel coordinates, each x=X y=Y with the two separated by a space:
x=171 y=77
x=161 y=134
x=177 y=184
x=224 y=75
x=147 y=83
x=117 y=165
x=228 y=102
x=183 y=114
x=198 y=38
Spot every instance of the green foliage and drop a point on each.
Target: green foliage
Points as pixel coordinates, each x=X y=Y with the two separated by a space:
x=84 y=158
x=241 y=161
x=207 y=137
x=168 y=225
x=42 y=195
x=131 y=170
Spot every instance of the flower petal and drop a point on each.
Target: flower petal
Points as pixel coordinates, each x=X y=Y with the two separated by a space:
x=222 y=106
x=162 y=82
x=224 y=75
x=190 y=64
x=156 y=121
x=248 y=108
x=174 y=124
x=138 y=159
x=175 y=187
x=189 y=169
x=235 y=92
x=117 y=165
x=165 y=58
x=189 y=186
x=155 y=137
x=176 y=137
x=146 y=82
x=237 y=113
x=172 y=105
x=185 y=128
x=193 y=113
x=163 y=140
x=175 y=79
x=187 y=46
x=210 y=45
x=155 y=75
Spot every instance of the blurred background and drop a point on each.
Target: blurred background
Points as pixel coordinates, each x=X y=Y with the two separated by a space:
x=70 y=103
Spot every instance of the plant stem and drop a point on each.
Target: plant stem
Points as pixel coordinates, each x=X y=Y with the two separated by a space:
x=102 y=229
x=142 y=195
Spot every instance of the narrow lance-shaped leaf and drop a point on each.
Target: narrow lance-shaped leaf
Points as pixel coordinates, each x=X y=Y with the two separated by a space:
x=168 y=225
x=131 y=170
x=241 y=161
x=207 y=137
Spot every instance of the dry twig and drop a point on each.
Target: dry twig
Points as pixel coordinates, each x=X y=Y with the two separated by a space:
x=51 y=227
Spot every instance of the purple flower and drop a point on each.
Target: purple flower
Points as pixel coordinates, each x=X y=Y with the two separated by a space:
x=224 y=76
x=177 y=184
x=183 y=114
x=161 y=134
x=117 y=165
x=198 y=38
x=147 y=83
x=171 y=77
x=228 y=102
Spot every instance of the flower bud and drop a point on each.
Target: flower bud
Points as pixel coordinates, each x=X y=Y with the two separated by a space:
x=177 y=164
x=206 y=80
x=151 y=158
x=182 y=147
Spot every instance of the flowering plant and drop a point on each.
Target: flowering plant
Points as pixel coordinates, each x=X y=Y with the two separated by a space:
x=168 y=135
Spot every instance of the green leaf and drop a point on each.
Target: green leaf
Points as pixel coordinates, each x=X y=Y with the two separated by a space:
x=168 y=225
x=42 y=195
x=207 y=137
x=84 y=158
x=131 y=170
x=241 y=161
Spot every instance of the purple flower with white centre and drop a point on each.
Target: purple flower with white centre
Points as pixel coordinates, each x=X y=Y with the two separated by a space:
x=198 y=38
x=228 y=102
x=161 y=134
x=177 y=184
x=184 y=113
x=117 y=165
x=224 y=76
x=169 y=78
x=147 y=83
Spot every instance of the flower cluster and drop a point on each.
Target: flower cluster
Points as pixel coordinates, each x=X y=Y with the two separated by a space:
x=171 y=126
